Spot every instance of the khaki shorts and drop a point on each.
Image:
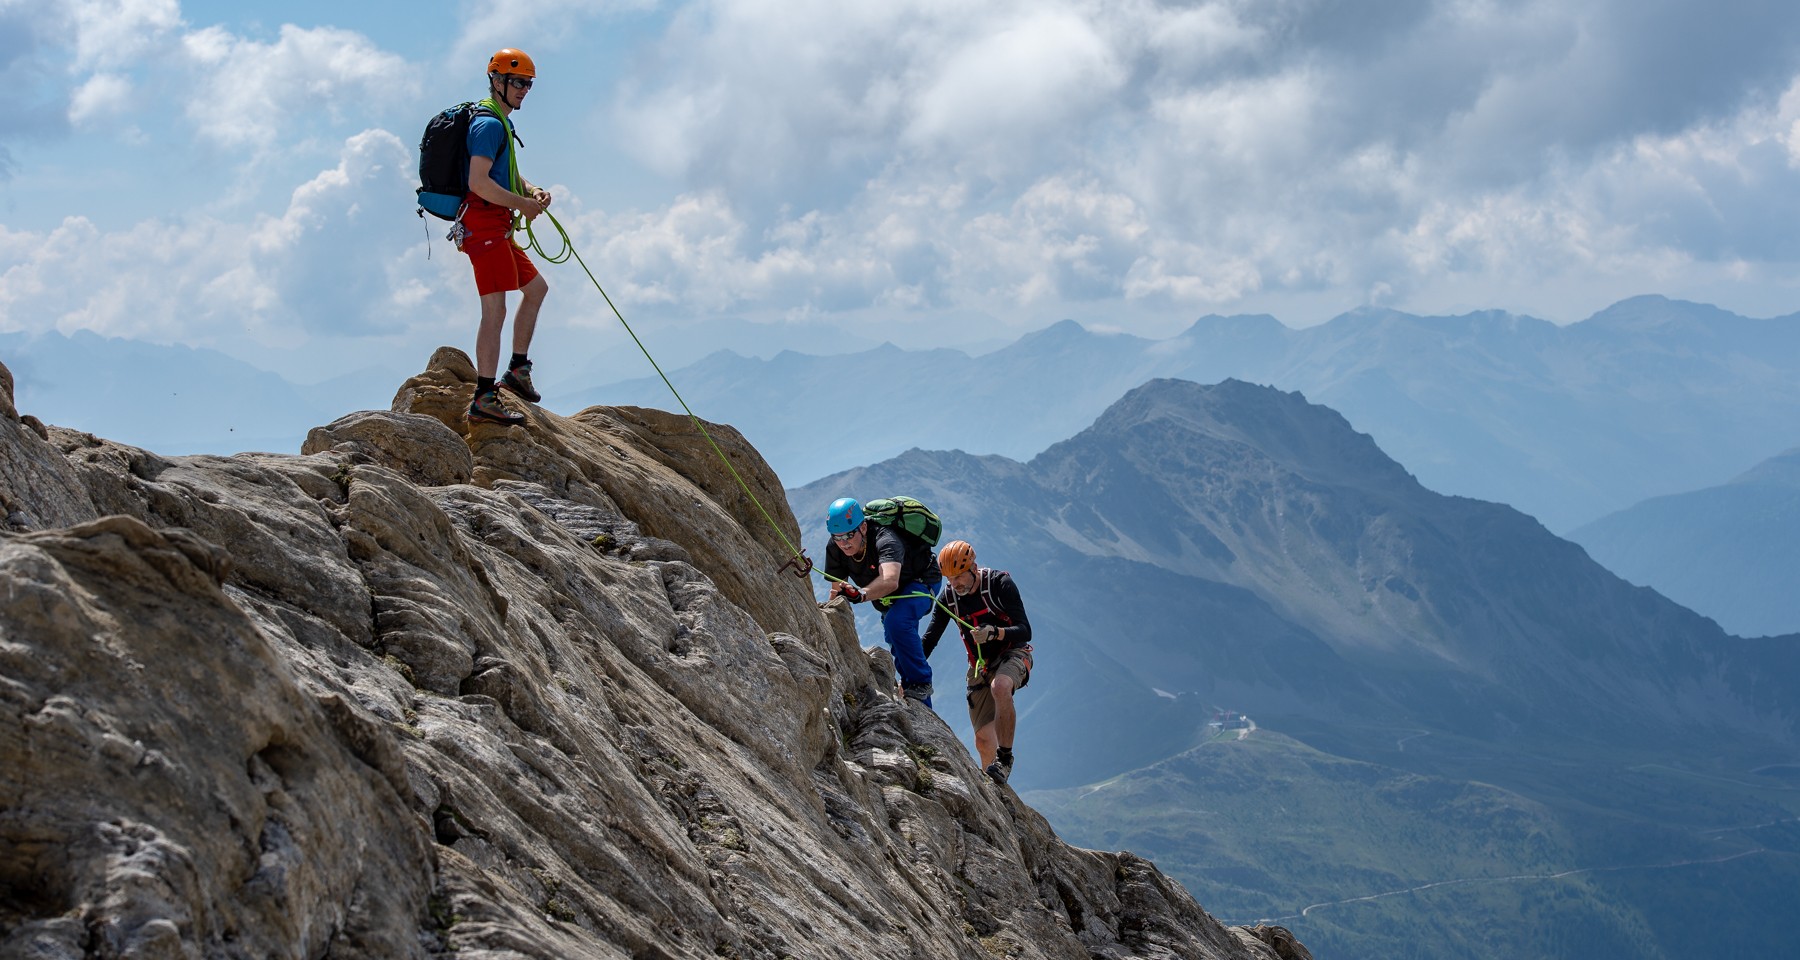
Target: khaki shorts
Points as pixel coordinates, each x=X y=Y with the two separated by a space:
x=1015 y=663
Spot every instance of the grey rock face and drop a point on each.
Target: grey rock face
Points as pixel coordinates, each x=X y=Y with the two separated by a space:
x=540 y=691
x=37 y=486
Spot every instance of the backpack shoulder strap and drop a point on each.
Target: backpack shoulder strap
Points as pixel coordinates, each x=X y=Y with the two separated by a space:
x=483 y=108
x=987 y=593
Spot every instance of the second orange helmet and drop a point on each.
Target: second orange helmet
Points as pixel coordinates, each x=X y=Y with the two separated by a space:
x=956 y=558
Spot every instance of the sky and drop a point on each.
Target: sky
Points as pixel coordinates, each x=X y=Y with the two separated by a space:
x=827 y=176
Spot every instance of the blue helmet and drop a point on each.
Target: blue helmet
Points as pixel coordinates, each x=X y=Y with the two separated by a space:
x=844 y=516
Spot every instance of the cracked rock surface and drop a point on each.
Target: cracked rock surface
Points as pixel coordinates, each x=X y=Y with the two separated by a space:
x=543 y=691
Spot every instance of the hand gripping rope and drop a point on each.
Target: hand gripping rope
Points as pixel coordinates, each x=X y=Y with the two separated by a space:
x=798 y=561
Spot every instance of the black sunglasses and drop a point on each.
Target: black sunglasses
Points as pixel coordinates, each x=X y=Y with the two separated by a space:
x=523 y=83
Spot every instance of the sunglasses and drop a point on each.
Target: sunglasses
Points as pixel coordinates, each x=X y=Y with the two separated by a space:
x=523 y=83
x=847 y=537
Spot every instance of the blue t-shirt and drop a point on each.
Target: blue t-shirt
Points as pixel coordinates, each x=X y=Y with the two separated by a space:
x=487 y=138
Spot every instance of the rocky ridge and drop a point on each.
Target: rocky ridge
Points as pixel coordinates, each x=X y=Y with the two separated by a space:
x=529 y=692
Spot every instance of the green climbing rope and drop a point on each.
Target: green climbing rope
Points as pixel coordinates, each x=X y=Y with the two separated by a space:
x=795 y=553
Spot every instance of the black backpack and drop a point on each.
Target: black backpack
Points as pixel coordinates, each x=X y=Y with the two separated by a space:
x=444 y=160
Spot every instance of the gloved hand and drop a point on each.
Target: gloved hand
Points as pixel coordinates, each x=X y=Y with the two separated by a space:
x=983 y=635
x=854 y=593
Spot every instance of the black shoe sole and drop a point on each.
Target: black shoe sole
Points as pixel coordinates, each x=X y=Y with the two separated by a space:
x=474 y=417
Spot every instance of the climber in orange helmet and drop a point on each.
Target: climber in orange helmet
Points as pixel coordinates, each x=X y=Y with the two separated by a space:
x=997 y=638
x=496 y=191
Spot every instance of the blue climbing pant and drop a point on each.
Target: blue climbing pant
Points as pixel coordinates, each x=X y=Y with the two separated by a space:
x=900 y=626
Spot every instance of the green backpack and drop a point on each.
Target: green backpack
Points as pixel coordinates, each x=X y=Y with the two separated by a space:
x=905 y=513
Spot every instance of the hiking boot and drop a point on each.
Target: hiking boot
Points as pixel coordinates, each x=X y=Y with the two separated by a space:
x=999 y=772
x=518 y=380
x=917 y=691
x=487 y=407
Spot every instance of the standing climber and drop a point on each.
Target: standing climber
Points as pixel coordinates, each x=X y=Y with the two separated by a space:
x=896 y=571
x=495 y=191
x=997 y=638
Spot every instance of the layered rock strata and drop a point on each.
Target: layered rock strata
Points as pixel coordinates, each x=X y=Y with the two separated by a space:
x=539 y=692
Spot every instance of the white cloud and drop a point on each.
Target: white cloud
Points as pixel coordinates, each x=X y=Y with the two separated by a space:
x=534 y=26
x=103 y=95
x=1017 y=160
x=253 y=92
x=115 y=33
x=326 y=267
x=1187 y=40
x=1204 y=155
x=1015 y=84
x=1062 y=240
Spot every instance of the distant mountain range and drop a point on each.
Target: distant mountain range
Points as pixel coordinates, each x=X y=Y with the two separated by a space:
x=172 y=399
x=1648 y=397
x=1237 y=547
x=1731 y=552
x=1242 y=545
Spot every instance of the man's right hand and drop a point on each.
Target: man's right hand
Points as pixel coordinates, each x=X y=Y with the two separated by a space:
x=530 y=207
x=983 y=635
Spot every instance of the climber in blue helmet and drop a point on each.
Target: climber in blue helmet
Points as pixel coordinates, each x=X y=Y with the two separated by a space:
x=896 y=571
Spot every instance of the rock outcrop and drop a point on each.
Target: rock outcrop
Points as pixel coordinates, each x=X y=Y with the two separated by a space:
x=540 y=691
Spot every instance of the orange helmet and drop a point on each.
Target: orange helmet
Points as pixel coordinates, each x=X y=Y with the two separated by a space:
x=956 y=558
x=514 y=62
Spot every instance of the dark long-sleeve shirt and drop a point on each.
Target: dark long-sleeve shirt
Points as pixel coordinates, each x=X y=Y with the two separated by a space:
x=994 y=601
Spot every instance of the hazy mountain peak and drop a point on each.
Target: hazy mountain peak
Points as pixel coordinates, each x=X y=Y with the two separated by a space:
x=1060 y=330
x=1304 y=437
x=1783 y=469
x=1236 y=322
x=1651 y=312
x=1364 y=318
x=1233 y=319
x=1726 y=551
x=1368 y=310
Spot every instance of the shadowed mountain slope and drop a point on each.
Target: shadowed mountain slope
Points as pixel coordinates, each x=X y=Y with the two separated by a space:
x=1241 y=544
x=1468 y=740
x=1730 y=552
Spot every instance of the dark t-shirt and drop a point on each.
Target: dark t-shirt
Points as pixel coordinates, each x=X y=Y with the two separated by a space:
x=884 y=545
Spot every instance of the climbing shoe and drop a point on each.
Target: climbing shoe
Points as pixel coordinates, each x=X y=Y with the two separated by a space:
x=518 y=380
x=488 y=408
x=999 y=772
x=917 y=691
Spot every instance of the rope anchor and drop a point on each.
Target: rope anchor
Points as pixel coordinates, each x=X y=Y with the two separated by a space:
x=801 y=564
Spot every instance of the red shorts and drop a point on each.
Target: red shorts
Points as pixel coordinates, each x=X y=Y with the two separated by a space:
x=499 y=264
